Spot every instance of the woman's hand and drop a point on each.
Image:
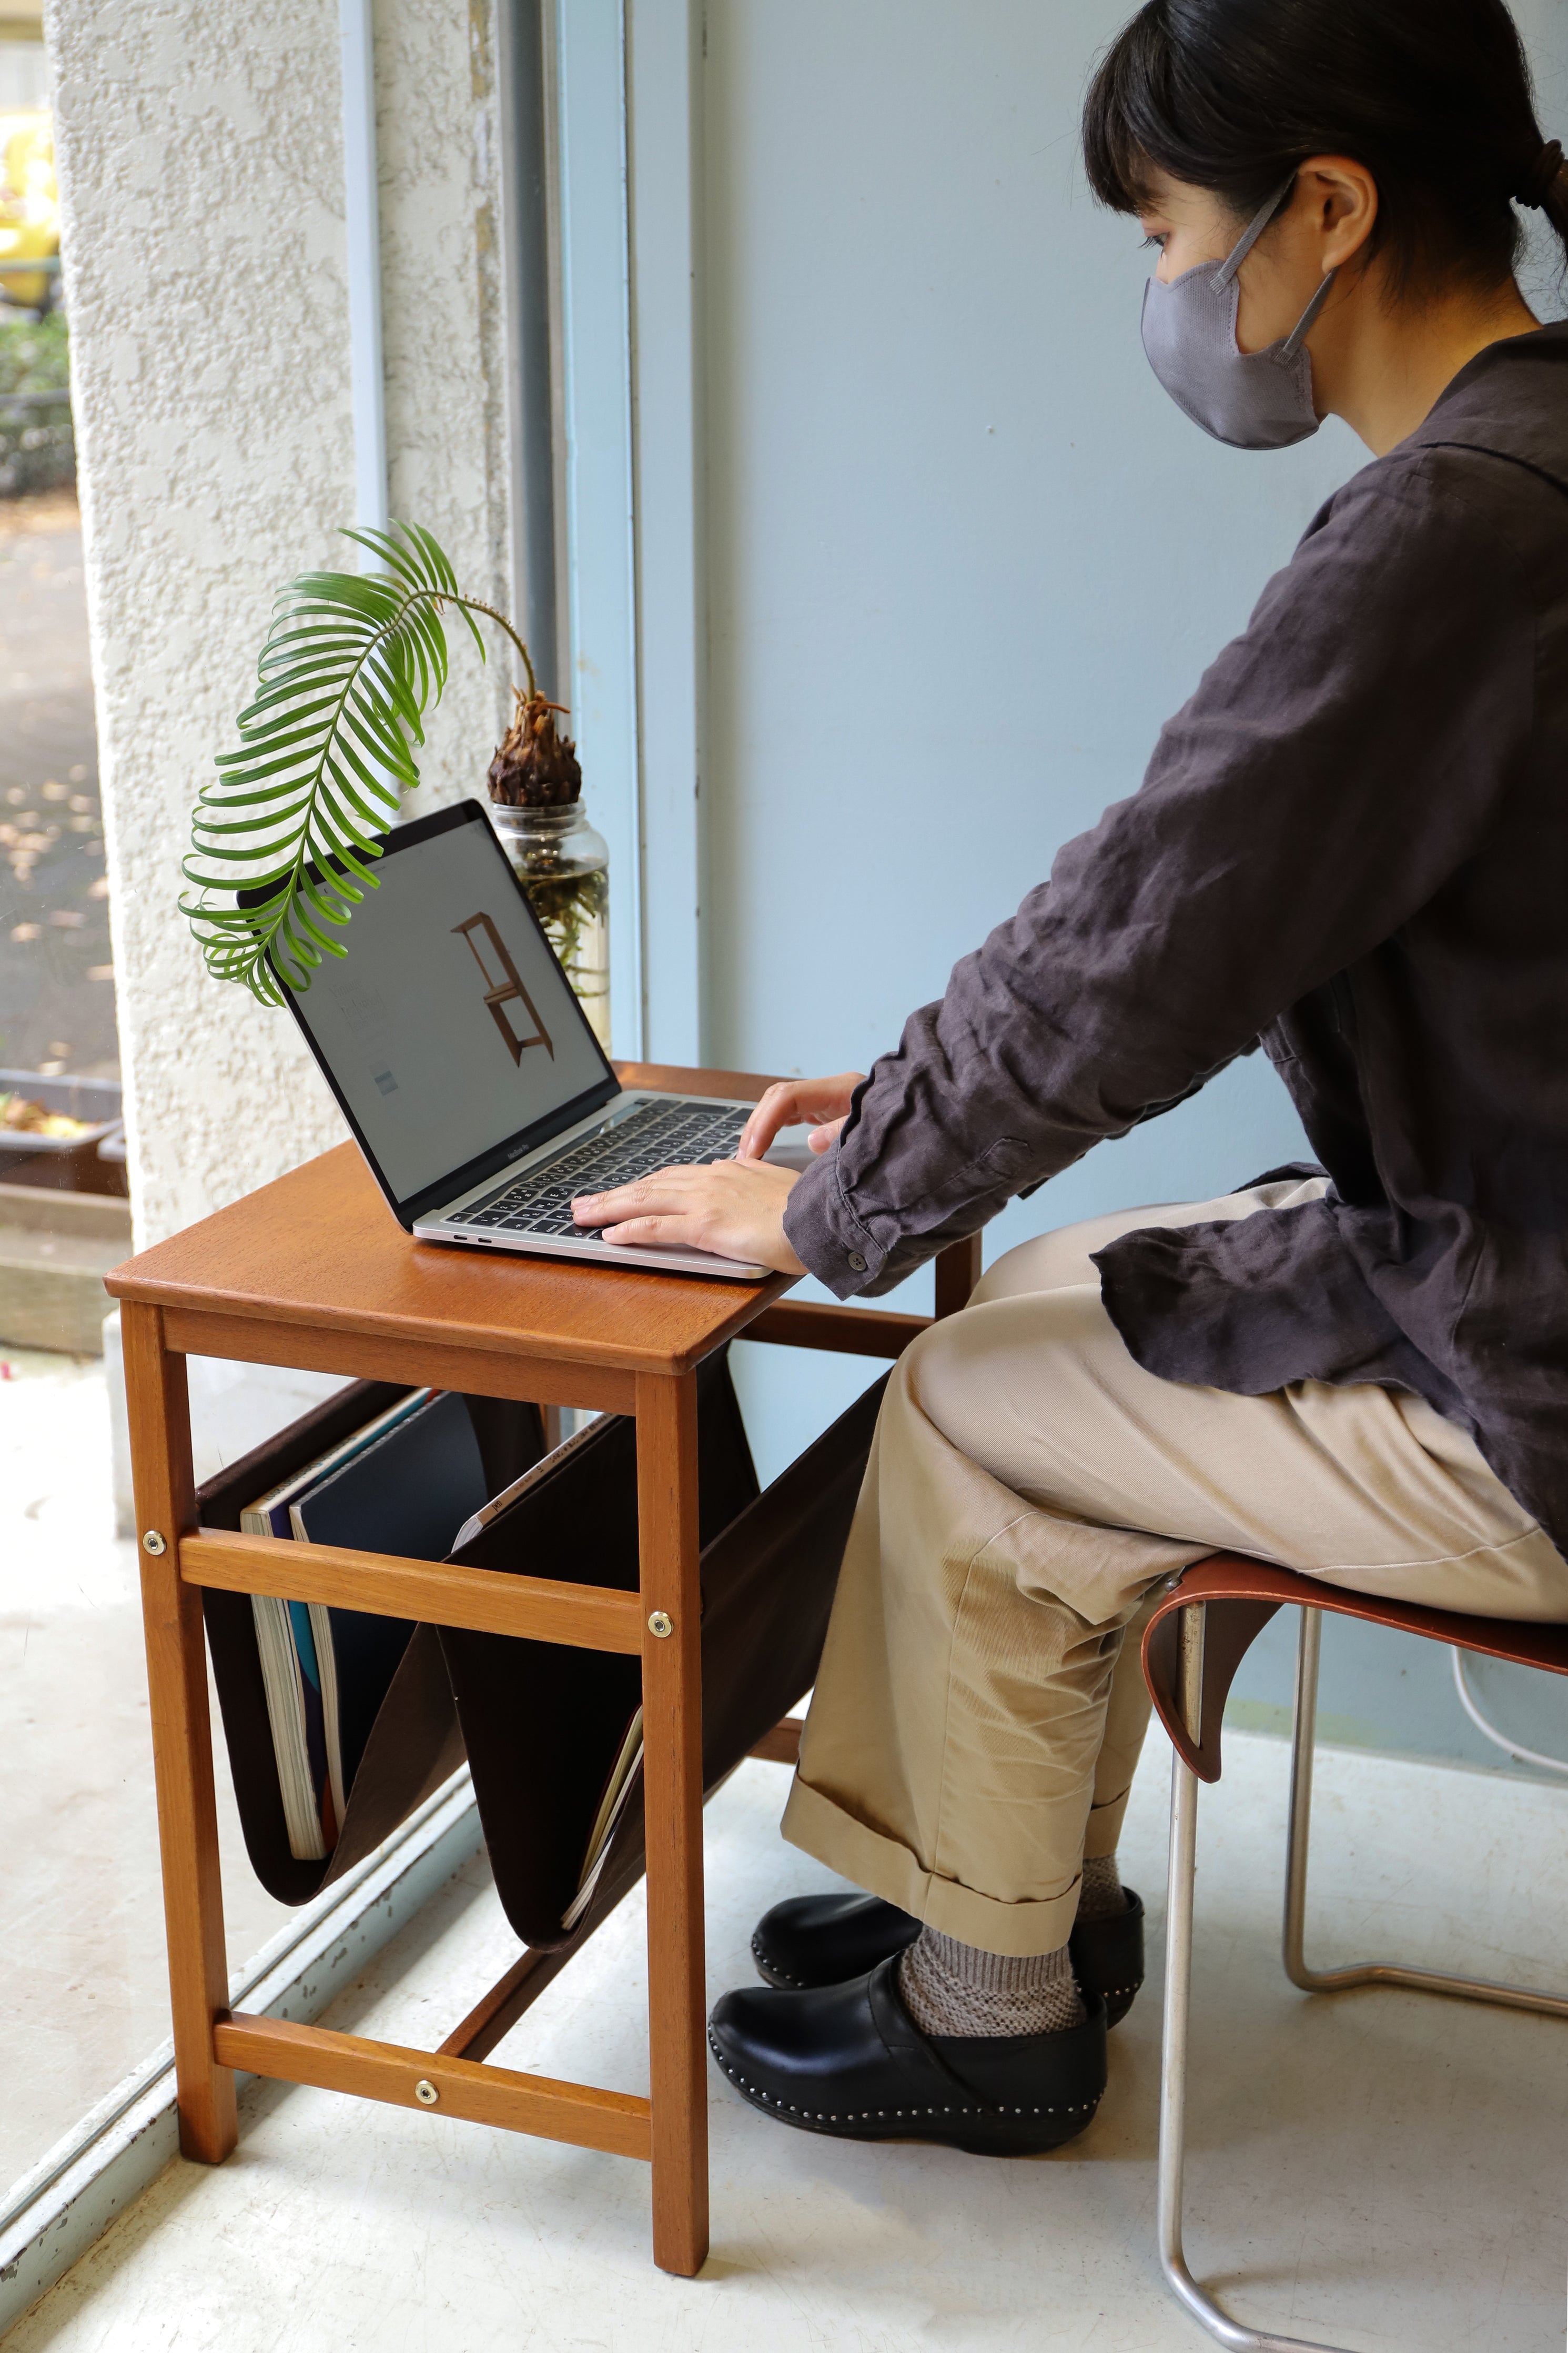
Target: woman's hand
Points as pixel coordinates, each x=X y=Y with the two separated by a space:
x=826 y=1101
x=734 y=1207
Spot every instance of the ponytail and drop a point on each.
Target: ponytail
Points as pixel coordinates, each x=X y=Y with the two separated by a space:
x=1545 y=187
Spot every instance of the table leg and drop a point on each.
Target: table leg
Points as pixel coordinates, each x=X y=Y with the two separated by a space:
x=182 y=1733
x=958 y=1270
x=672 y=1785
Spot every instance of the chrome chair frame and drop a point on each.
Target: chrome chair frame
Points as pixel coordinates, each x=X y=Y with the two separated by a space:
x=1179 y=1965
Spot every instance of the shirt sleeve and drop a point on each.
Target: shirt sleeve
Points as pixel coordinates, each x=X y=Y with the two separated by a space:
x=1338 y=762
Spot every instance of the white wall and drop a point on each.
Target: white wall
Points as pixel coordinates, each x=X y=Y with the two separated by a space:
x=201 y=170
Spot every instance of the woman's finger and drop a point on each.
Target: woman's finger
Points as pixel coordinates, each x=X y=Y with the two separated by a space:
x=776 y=1109
x=821 y=1138
x=666 y=1189
x=788 y=1104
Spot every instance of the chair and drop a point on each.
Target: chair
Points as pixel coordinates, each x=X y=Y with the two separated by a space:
x=1193 y=1645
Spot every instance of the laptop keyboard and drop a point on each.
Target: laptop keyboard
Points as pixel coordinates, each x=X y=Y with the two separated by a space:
x=661 y=1135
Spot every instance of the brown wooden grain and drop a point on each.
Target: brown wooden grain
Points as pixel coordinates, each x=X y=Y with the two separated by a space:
x=493 y=2016
x=674 y=1078
x=250 y=1340
x=435 y=1593
x=958 y=1270
x=182 y=1736
x=672 y=1785
x=616 y=2122
x=319 y=1251
x=781 y=1744
x=845 y=1331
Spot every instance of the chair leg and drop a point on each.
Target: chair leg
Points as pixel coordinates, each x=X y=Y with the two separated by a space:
x=1299 y=1834
x=1174 y=2051
x=1298 y=1839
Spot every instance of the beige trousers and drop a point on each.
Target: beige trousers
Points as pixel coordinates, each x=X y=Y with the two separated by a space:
x=980 y=1708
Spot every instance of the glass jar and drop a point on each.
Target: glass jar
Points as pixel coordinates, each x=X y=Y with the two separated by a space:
x=563 y=866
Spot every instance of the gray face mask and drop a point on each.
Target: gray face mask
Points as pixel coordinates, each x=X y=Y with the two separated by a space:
x=1253 y=400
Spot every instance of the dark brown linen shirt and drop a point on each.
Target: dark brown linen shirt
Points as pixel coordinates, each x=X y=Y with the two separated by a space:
x=1352 y=845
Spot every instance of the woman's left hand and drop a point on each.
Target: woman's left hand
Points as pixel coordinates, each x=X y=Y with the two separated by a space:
x=734 y=1207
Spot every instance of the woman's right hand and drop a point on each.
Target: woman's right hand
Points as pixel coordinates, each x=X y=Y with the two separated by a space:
x=824 y=1101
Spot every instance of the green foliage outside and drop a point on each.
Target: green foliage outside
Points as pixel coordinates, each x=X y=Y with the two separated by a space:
x=37 y=448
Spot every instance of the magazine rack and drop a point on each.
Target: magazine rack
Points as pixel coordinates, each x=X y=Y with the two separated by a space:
x=311 y=1271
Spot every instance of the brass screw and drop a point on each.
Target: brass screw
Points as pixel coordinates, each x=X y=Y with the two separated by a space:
x=153 y=1543
x=424 y=2092
x=661 y=1626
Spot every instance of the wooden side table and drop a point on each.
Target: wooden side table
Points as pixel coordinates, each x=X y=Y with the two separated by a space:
x=313 y=1272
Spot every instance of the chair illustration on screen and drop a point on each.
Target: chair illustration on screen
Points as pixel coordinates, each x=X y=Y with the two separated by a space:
x=509 y=990
x=1192 y=1646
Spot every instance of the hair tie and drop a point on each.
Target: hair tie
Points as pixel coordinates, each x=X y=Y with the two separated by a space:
x=1542 y=173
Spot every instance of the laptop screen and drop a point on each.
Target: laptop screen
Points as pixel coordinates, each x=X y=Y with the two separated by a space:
x=448 y=1028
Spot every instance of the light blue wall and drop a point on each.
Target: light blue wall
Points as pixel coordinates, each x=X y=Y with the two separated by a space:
x=965 y=556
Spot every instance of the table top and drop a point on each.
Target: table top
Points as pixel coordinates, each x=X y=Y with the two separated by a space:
x=320 y=1248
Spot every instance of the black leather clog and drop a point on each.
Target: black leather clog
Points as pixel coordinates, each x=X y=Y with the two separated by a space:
x=1108 y=1954
x=823 y=1940
x=850 y=2060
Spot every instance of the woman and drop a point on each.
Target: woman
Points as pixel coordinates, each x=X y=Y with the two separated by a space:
x=1352 y=844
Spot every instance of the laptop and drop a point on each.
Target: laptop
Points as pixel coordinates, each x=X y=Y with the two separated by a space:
x=464 y=1064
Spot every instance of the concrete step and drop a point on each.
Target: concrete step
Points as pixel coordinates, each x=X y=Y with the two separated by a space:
x=55 y=1250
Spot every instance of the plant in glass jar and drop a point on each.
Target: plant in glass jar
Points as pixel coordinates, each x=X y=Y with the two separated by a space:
x=536 y=787
x=293 y=817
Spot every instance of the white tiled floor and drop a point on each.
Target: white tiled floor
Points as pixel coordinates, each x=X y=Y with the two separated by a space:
x=1382 y=2171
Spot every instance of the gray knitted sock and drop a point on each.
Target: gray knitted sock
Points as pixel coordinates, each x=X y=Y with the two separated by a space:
x=954 y=1989
x=1101 y=1892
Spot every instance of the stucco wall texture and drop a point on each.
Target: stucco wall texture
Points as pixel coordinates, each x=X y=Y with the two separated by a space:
x=201 y=166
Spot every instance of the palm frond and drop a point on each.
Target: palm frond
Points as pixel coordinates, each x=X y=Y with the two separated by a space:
x=352 y=663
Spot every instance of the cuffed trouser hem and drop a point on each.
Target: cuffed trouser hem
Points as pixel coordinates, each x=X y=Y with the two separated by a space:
x=883 y=1867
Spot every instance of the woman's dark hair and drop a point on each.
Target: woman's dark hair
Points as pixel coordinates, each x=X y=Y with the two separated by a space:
x=1433 y=97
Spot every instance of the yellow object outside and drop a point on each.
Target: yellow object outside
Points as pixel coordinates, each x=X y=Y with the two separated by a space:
x=29 y=205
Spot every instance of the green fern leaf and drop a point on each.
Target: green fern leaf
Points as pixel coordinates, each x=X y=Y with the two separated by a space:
x=294 y=817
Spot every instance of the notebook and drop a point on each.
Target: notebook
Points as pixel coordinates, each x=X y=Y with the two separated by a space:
x=406 y=1492
x=290 y=1671
x=611 y=1806
x=401 y=1485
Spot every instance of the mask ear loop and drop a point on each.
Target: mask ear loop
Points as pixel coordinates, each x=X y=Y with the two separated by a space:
x=1238 y=253
x=1303 y=326
x=1250 y=236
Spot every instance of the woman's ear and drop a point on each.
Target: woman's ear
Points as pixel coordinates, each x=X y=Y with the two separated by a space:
x=1343 y=196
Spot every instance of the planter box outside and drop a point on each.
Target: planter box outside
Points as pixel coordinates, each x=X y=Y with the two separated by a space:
x=74 y=1165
